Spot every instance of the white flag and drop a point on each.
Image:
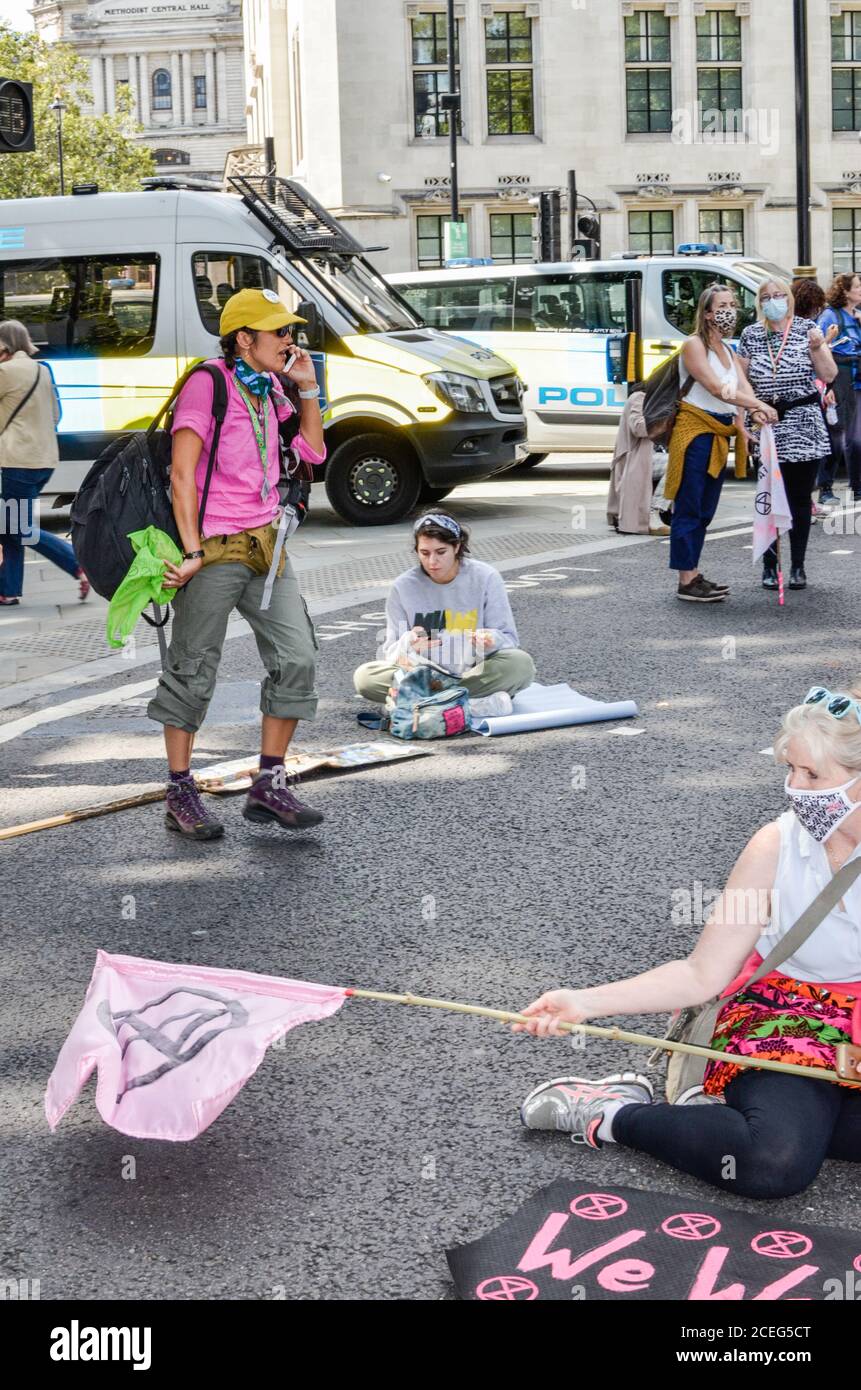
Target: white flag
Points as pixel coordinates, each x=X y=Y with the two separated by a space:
x=771 y=515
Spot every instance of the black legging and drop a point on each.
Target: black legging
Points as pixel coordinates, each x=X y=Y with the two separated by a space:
x=776 y=1129
x=799 y=480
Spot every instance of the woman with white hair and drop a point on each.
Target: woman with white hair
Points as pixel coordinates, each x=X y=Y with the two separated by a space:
x=782 y=355
x=778 y=1127
x=29 y=414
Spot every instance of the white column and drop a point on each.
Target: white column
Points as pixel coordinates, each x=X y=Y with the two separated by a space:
x=175 y=89
x=133 y=86
x=221 y=84
x=98 y=78
x=110 y=85
x=209 y=59
x=144 y=88
x=187 y=88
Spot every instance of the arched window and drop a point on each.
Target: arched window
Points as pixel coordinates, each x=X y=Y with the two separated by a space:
x=162 y=99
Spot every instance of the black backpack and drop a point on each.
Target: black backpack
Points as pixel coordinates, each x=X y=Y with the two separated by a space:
x=128 y=489
x=664 y=395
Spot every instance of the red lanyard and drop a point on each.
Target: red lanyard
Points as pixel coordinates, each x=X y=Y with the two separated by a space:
x=775 y=361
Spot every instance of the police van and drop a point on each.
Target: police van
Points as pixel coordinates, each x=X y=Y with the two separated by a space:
x=122 y=291
x=578 y=331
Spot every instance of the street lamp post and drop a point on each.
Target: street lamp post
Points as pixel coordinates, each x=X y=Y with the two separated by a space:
x=802 y=132
x=58 y=107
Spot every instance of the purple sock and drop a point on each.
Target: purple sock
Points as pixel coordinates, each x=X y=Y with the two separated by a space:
x=269 y=761
x=179 y=776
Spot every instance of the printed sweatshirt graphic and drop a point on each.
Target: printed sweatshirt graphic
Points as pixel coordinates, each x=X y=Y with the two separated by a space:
x=475 y=599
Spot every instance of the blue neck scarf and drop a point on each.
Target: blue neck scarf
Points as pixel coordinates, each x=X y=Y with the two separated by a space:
x=258 y=383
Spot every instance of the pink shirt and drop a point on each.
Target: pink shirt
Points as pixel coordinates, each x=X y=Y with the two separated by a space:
x=234 y=502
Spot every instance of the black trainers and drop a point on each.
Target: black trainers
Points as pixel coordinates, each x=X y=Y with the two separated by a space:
x=797 y=577
x=769 y=577
x=186 y=812
x=718 y=588
x=699 y=591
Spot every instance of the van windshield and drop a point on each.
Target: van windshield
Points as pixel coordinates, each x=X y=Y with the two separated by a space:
x=364 y=294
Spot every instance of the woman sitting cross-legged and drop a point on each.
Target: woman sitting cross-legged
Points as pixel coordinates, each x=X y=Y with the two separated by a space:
x=451 y=610
x=777 y=1126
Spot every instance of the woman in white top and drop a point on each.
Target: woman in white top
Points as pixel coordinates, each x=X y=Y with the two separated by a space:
x=710 y=413
x=778 y=1127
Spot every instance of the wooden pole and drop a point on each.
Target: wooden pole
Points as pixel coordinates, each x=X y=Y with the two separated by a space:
x=613 y=1034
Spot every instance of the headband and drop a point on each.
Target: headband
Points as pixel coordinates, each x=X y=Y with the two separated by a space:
x=445 y=523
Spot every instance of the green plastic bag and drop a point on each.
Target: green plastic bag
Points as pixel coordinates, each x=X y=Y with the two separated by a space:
x=143 y=583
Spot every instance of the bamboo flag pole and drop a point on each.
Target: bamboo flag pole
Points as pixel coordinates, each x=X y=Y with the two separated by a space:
x=614 y=1034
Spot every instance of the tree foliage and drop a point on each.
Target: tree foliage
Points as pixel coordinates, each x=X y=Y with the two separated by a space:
x=96 y=149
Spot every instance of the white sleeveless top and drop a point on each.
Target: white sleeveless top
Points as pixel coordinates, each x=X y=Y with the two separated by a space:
x=832 y=953
x=699 y=396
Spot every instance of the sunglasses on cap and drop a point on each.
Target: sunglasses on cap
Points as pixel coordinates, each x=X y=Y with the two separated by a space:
x=838 y=705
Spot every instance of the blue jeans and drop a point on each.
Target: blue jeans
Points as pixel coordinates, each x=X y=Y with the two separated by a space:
x=21 y=487
x=779 y=1129
x=695 y=502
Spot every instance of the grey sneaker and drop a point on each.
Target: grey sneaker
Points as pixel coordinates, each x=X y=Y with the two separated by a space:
x=575 y=1105
x=186 y=812
x=267 y=803
x=695 y=1095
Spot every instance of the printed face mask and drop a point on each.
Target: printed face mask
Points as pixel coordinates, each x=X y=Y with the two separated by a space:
x=725 y=321
x=821 y=812
x=775 y=309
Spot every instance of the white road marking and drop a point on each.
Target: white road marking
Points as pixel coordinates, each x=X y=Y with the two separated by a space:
x=70 y=707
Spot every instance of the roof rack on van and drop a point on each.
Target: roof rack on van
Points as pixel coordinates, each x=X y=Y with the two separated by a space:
x=293 y=215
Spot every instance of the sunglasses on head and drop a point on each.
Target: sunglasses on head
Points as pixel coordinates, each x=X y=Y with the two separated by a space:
x=838 y=705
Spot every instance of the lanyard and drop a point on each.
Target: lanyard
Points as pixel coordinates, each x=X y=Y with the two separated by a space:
x=775 y=361
x=261 y=434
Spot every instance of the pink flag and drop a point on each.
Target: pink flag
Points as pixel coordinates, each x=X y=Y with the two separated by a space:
x=771 y=516
x=174 y=1043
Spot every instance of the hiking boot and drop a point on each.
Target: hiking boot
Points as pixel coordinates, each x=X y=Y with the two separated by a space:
x=186 y=812
x=576 y=1106
x=699 y=591
x=695 y=1095
x=268 y=801
x=797 y=577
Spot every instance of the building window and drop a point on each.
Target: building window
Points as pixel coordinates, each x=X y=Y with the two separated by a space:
x=647 y=72
x=430 y=74
x=723 y=225
x=166 y=158
x=508 y=55
x=429 y=241
x=200 y=93
x=719 y=83
x=511 y=236
x=846 y=78
x=162 y=98
x=650 y=232
x=845 y=239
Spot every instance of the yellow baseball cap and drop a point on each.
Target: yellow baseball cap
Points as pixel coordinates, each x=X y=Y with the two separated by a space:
x=256 y=309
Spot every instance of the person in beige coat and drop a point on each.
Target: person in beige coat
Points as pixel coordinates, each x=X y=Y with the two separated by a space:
x=29 y=414
x=629 y=500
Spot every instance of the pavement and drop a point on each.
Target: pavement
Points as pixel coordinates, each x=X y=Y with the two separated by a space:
x=488 y=872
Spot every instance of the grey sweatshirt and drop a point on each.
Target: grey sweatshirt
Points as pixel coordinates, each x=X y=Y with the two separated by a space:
x=475 y=598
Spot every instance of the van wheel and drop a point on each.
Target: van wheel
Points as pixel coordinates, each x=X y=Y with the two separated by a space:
x=429 y=493
x=372 y=480
x=531 y=460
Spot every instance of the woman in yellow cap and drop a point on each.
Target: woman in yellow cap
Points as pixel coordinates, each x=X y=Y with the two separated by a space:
x=234 y=557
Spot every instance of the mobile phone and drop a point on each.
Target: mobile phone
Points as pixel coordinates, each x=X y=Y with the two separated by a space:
x=290 y=364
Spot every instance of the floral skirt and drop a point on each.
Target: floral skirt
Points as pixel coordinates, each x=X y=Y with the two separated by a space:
x=782 y=1020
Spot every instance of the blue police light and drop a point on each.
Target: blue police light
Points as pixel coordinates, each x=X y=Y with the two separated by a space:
x=700 y=248
x=461 y=262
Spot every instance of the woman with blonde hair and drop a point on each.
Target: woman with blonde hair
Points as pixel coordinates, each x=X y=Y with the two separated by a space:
x=781 y=356
x=779 y=1127
x=715 y=395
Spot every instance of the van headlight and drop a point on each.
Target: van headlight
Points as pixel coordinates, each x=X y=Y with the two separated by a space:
x=460 y=392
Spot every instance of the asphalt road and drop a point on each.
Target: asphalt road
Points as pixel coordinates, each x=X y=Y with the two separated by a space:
x=371 y=1142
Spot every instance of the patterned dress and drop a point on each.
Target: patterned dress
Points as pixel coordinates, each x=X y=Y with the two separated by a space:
x=801 y=435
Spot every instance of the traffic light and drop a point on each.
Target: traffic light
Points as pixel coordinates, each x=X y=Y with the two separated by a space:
x=588 y=245
x=549 y=239
x=16 y=117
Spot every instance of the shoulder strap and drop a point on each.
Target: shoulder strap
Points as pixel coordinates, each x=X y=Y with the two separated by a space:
x=24 y=400
x=219 y=410
x=810 y=919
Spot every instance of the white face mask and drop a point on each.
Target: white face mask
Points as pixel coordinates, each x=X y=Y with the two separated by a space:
x=821 y=812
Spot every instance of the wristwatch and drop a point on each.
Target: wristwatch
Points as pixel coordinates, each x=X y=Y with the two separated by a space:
x=194 y=555
x=309 y=395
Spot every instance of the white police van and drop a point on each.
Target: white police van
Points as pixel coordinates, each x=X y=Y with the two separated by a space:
x=567 y=327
